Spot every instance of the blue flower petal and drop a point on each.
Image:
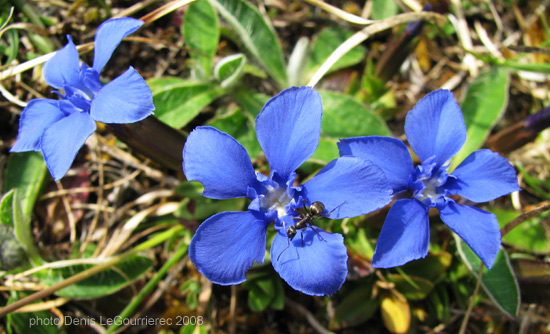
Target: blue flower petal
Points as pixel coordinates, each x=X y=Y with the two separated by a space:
x=289 y=127
x=405 y=235
x=63 y=68
x=219 y=162
x=435 y=127
x=315 y=268
x=37 y=116
x=225 y=246
x=478 y=228
x=62 y=140
x=483 y=176
x=108 y=37
x=127 y=99
x=390 y=154
x=358 y=185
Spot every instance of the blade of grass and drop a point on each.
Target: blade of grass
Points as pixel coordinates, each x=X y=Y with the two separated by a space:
x=154 y=15
x=136 y=301
x=362 y=35
x=340 y=13
x=166 y=9
x=156 y=240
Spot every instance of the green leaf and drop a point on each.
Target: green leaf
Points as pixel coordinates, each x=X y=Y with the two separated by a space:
x=6 y=209
x=229 y=69
x=13 y=48
x=483 y=105
x=372 y=87
x=192 y=189
x=202 y=35
x=178 y=101
x=256 y=34
x=382 y=9
x=191 y=285
x=192 y=329
x=12 y=217
x=264 y=290
x=344 y=116
x=12 y=253
x=412 y=287
x=325 y=43
x=259 y=297
x=278 y=301
x=206 y=207
x=41 y=322
x=359 y=243
x=251 y=101
x=26 y=172
x=326 y=152
x=192 y=288
x=23 y=231
x=438 y=304
x=531 y=67
x=356 y=307
x=499 y=283
x=102 y=284
x=431 y=267
x=241 y=127
x=539 y=186
x=529 y=235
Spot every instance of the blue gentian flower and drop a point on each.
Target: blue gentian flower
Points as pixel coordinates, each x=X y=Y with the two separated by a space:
x=288 y=129
x=59 y=128
x=436 y=132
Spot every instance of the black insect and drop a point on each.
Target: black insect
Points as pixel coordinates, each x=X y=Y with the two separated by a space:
x=305 y=220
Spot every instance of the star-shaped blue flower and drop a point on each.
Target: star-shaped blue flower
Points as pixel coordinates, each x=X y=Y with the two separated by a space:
x=59 y=128
x=288 y=129
x=436 y=132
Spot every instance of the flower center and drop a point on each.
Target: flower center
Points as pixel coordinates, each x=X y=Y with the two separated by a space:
x=276 y=199
x=82 y=92
x=428 y=184
x=79 y=98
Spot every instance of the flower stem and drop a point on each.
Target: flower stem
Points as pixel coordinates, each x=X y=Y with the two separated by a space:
x=519 y=134
x=540 y=208
x=154 y=139
x=472 y=301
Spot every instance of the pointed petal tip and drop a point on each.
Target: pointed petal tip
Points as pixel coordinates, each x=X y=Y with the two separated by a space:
x=126 y=99
x=63 y=68
x=37 y=116
x=109 y=35
x=484 y=176
x=288 y=128
x=405 y=235
x=435 y=127
x=478 y=228
x=61 y=142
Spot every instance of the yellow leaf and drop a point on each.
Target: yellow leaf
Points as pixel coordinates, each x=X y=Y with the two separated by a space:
x=396 y=313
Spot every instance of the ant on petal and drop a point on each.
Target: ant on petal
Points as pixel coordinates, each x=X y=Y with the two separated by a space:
x=305 y=220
